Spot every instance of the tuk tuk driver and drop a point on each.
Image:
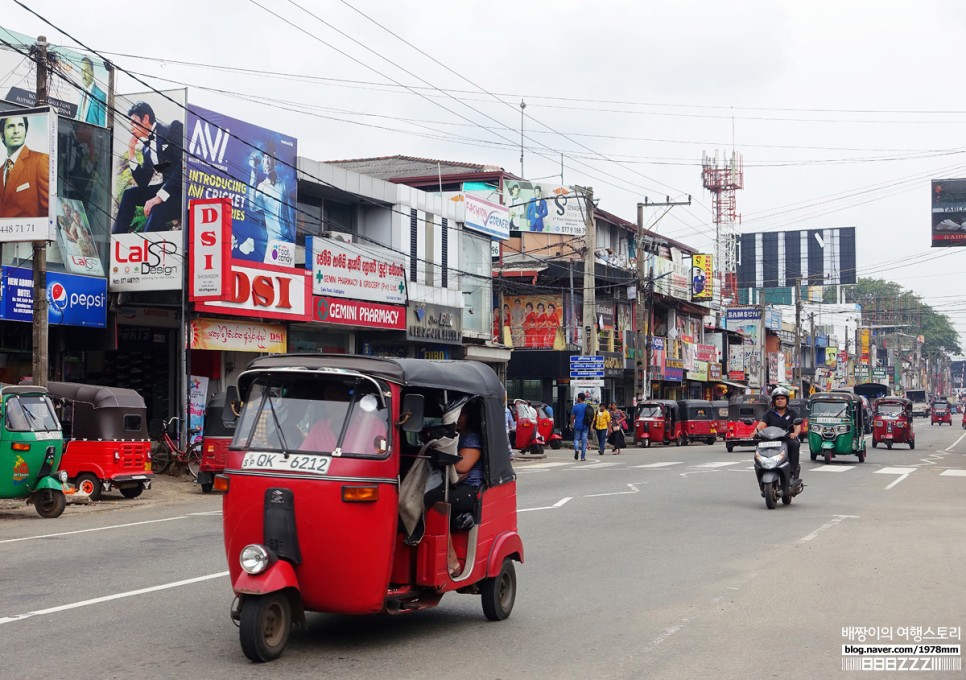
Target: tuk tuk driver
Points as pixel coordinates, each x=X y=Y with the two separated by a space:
x=779 y=415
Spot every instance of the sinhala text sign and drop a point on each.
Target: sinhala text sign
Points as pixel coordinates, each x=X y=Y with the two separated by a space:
x=350 y=270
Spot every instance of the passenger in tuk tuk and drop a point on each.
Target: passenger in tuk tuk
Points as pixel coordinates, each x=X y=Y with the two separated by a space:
x=367 y=428
x=779 y=415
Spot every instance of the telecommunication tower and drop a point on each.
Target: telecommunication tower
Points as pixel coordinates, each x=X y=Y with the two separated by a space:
x=722 y=178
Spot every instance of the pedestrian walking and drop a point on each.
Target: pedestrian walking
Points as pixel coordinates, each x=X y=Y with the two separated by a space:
x=511 y=426
x=602 y=428
x=618 y=423
x=578 y=423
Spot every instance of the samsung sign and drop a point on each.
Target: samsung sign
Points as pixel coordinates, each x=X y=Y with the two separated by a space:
x=487 y=218
x=71 y=300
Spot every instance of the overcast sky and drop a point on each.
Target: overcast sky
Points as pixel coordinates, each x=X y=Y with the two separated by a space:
x=842 y=111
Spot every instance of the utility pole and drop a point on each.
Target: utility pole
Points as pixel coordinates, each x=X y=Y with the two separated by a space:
x=41 y=328
x=589 y=316
x=523 y=105
x=811 y=318
x=798 y=338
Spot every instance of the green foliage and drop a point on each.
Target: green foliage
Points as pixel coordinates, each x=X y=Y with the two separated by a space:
x=886 y=303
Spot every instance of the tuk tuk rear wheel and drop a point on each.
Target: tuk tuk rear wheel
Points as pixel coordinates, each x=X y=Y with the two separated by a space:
x=132 y=491
x=266 y=621
x=499 y=593
x=861 y=455
x=49 y=503
x=91 y=485
x=206 y=487
x=729 y=446
x=875 y=444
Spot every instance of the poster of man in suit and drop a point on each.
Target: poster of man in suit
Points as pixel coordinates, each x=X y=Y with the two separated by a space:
x=27 y=173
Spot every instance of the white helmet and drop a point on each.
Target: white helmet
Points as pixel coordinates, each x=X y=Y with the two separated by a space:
x=778 y=392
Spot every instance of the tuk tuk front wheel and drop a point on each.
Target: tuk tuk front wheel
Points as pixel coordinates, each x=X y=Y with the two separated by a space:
x=912 y=444
x=499 y=593
x=555 y=444
x=49 y=503
x=889 y=445
x=132 y=491
x=266 y=621
x=813 y=455
x=91 y=485
x=828 y=457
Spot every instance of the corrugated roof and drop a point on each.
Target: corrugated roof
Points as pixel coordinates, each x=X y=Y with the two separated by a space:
x=393 y=167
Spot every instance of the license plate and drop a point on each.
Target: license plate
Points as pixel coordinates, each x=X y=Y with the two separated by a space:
x=294 y=462
x=828 y=445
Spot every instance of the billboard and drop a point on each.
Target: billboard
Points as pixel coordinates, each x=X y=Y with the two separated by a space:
x=77 y=88
x=209 y=241
x=487 y=218
x=535 y=321
x=702 y=277
x=28 y=175
x=255 y=168
x=71 y=300
x=349 y=270
x=544 y=207
x=948 y=213
x=779 y=259
x=148 y=204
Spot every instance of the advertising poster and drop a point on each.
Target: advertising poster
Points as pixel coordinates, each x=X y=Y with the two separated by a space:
x=358 y=272
x=238 y=336
x=209 y=238
x=29 y=174
x=702 y=277
x=197 y=400
x=82 y=206
x=147 y=242
x=535 y=321
x=543 y=207
x=948 y=212
x=487 y=218
x=71 y=300
x=255 y=168
x=77 y=88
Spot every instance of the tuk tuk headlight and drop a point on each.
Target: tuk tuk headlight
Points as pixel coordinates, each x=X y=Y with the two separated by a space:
x=842 y=429
x=62 y=476
x=900 y=424
x=254 y=559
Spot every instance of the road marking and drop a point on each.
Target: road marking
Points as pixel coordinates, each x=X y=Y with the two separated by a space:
x=634 y=489
x=902 y=472
x=558 y=504
x=210 y=513
x=520 y=472
x=717 y=464
x=85 y=531
x=658 y=465
x=830 y=468
x=953 y=473
x=544 y=466
x=957 y=441
x=828 y=525
x=108 y=598
x=590 y=467
x=668 y=632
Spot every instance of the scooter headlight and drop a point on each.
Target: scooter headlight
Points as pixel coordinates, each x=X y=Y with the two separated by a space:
x=254 y=559
x=770 y=462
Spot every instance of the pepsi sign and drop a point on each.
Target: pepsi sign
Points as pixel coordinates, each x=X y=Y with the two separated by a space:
x=71 y=300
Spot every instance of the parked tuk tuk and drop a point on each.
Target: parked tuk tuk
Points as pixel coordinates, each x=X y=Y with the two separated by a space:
x=31 y=445
x=697 y=421
x=219 y=428
x=744 y=411
x=720 y=407
x=527 y=436
x=324 y=492
x=106 y=441
x=940 y=413
x=836 y=426
x=800 y=406
x=892 y=422
x=546 y=427
x=657 y=423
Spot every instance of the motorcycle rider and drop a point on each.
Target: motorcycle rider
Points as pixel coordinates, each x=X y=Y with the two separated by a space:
x=781 y=416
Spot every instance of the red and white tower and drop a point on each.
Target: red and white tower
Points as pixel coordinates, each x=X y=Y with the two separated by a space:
x=722 y=178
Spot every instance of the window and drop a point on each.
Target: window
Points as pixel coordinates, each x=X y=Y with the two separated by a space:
x=476 y=282
x=132 y=423
x=339 y=217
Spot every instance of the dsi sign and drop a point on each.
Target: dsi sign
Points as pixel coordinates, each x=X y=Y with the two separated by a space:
x=487 y=218
x=71 y=300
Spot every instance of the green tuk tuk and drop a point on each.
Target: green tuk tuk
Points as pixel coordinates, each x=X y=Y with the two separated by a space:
x=836 y=426
x=31 y=444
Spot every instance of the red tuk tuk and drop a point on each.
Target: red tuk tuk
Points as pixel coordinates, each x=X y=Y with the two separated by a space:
x=106 y=441
x=219 y=428
x=697 y=421
x=657 y=423
x=527 y=438
x=337 y=523
x=545 y=426
x=940 y=413
x=743 y=412
x=892 y=422
x=800 y=406
x=720 y=407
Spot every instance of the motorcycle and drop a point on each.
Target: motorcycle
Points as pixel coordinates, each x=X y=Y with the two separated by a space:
x=772 y=468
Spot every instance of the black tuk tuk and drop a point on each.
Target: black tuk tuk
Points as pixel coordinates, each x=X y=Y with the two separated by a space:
x=720 y=407
x=219 y=428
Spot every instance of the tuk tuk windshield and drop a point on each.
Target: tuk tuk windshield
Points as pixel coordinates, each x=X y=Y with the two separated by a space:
x=889 y=410
x=30 y=413
x=830 y=409
x=315 y=414
x=650 y=412
x=940 y=408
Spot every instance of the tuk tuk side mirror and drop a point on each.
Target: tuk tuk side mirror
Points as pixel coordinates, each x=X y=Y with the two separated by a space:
x=234 y=404
x=411 y=414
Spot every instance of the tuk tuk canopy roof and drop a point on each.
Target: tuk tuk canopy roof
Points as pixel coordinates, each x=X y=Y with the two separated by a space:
x=894 y=400
x=836 y=396
x=99 y=396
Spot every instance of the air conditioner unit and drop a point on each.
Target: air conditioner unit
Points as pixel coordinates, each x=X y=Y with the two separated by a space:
x=337 y=236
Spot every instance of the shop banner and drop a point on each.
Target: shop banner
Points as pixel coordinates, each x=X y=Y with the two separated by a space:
x=255 y=168
x=544 y=207
x=356 y=313
x=714 y=371
x=148 y=261
x=948 y=212
x=702 y=277
x=265 y=291
x=349 y=270
x=209 y=240
x=736 y=375
x=71 y=300
x=865 y=339
x=699 y=372
x=673 y=370
x=197 y=400
x=234 y=336
x=30 y=184
x=434 y=323
x=487 y=218
x=705 y=352
x=148 y=191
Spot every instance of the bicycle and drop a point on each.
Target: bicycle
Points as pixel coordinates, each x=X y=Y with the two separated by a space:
x=168 y=450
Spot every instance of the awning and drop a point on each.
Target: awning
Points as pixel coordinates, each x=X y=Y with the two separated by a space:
x=729 y=383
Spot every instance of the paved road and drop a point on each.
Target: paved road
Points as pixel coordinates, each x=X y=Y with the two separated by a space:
x=659 y=563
